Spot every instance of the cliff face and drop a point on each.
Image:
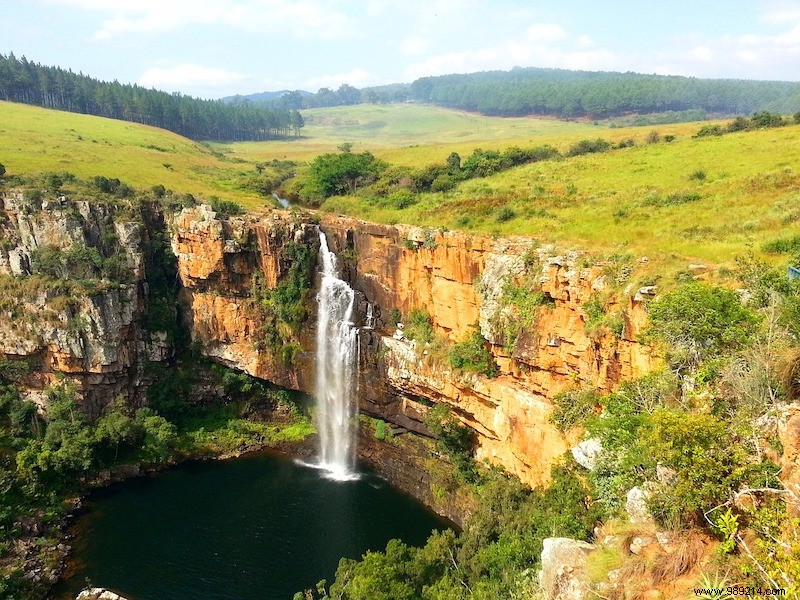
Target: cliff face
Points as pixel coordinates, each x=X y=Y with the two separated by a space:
x=460 y=281
x=538 y=307
x=85 y=328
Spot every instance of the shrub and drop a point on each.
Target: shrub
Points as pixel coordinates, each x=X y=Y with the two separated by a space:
x=653 y=137
x=674 y=199
x=589 y=146
x=707 y=465
x=506 y=213
x=598 y=319
x=419 y=326
x=787 y=245
x=708 y=131
x=573 y=408
x=2 y=169
x=697 y=321
x=226 y=208
x=401 y=199
x=453 y=439
x=472 y=355
x=443 y=183
x=701 y=451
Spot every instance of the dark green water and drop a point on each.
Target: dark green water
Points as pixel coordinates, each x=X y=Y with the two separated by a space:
x=259 y=527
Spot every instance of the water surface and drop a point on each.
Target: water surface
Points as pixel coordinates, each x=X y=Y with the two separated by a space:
x=259 y=527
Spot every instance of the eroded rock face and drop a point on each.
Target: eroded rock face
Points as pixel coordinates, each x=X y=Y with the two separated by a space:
x=92 y=335
x=459 y=280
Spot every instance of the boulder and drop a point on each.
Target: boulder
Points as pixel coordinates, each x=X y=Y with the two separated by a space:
x=562 y=576
x=587 y=452
x=98 y=594
x=636 y=505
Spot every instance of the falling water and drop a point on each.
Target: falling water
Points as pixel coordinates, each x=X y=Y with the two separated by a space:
x=336 y=368
x=369 y=322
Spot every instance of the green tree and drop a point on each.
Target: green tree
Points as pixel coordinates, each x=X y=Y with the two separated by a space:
x=115 y=429
x=336 y=174
x=159 y=435
x=697 y=321
x=472 y=355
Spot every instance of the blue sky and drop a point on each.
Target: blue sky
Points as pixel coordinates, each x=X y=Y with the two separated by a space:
x=213 y=48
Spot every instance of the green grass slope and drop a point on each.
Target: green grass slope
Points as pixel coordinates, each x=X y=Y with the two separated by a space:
x=702 y=199
x=706 y=199
x=35 y=140
x=404 y=133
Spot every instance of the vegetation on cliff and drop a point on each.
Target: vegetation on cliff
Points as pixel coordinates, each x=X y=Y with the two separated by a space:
x=493 y=557
x=49 y=460
x=104 y=283
x=697 y=440
x=283 y=310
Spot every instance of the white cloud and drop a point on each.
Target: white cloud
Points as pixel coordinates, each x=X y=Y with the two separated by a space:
x=780 y=13
x=300 y=18
x=746 y=56
x=414 y=45
x=542 y=44
x=546 y=32
x=186 y=76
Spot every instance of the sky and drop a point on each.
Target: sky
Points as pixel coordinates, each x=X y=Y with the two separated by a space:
x=216 y=48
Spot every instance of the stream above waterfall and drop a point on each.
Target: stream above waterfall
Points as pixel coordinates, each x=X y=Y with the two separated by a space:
x=258 y=527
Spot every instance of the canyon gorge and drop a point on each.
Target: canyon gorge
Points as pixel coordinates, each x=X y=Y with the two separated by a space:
x=106 y=339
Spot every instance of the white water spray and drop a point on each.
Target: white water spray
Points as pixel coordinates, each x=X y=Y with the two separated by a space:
x=337 y=348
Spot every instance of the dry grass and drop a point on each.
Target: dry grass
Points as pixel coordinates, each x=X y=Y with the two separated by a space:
x=790 y=374
x=689 y=550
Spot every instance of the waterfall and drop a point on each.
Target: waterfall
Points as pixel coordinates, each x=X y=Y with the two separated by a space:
x=370 y=320
x=337 y=349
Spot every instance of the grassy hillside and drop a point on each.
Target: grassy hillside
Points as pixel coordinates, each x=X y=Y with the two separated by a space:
x=706 y=199
x=34 y=140
x=404 y=133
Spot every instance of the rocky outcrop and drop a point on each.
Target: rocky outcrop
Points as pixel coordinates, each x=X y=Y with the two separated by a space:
x=88 y=330
x=562 y=574
x=98 y=594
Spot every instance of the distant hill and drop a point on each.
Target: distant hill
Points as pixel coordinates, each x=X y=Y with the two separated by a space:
x=568 y=94
x=602 y=94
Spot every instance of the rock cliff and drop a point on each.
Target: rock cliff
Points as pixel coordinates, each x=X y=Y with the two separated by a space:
x=459 y=280
x=73 y=294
